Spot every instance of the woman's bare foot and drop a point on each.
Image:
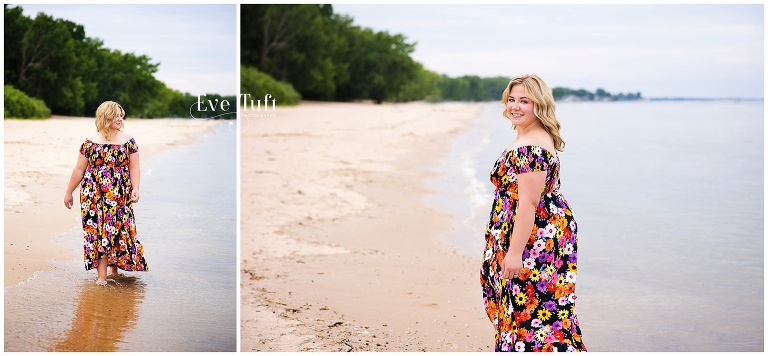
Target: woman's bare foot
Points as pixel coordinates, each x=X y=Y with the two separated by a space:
x=101 y=270
x=112 y=270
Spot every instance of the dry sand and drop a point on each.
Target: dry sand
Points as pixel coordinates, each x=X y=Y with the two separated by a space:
x=339 y=249
x=39 y=156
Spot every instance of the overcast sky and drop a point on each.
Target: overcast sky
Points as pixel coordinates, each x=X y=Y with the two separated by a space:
x=658 y=50
x=196 y=45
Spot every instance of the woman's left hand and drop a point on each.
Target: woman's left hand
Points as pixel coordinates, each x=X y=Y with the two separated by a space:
x=511 y=265
x=135 y=196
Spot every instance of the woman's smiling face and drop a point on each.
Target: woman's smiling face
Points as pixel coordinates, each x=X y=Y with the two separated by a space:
x=519 y=107
x=117 y=121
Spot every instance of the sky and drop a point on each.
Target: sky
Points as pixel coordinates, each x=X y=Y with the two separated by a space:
x=196 y=45
x=704 y=51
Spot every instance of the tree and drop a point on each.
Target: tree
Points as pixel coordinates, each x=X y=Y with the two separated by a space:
x=255 y=85
x=53 y=60
x=494 y=87
x=291 y=43
x=422 y=86
x=16 y=24
x=323 y=55
x=602 y=94
x=45 y=63
x=127 y=79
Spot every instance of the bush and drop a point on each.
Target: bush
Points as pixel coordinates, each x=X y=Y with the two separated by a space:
x=20 y=106
x=258 y=84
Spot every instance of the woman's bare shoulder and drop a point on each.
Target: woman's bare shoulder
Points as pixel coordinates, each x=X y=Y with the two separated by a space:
x=539 y=139
x=95 y=137
x=123 y=137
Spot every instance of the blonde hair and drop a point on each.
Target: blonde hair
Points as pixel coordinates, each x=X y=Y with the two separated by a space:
x=543 y=104
x=106 y=112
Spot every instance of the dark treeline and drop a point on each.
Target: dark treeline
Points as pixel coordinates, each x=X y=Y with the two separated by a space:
x=324 y=56
x=599 y=95
x=475 y=88
x=310 y=52
x=54 y=61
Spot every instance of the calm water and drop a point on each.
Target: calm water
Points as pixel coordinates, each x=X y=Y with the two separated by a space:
x=669 y=201
x=186 y=221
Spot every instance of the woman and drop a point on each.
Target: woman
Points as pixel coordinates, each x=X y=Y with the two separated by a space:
x=108 y=167
x=529 y=267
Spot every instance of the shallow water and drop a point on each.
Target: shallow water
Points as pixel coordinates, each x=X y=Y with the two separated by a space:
x=186 y=221
x=669 y=201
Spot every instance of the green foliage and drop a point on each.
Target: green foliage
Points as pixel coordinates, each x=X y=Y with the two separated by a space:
x=45 y=64
x=323 y=55
x=171 y=103
x=15 y=26
x=291 y=43
x=326 y=57
x=167 y=103
x=494 y=87
x=560 y=93
x=258 y=84
x=423 y=86
x=379 y=64
x=125 y=78
x=20 y=106
x=472 y=88
x=53 y=60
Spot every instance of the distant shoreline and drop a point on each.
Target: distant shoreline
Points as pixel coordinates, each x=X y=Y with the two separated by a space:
x=580 y=100
x=705 y=99
x=652 y=99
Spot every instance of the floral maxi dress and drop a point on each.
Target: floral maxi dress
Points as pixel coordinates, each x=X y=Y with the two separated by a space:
x=109 y=227
x=536 y=310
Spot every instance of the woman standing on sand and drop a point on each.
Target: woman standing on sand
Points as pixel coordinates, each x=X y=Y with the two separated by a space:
x=108 y=168
x=529 y=266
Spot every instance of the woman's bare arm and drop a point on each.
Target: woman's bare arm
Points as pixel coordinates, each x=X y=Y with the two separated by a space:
x=135 y=169
x=529 y=188
x=75 y=179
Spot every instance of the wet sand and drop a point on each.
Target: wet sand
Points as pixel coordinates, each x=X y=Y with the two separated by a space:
x=339 y=249
x=39 y=156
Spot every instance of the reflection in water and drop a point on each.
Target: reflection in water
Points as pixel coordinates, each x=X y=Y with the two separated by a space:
x=103 y=315
x=39 y=313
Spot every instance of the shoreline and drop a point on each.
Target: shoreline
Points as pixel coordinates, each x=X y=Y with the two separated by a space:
x=38 y=159
x=340 y=250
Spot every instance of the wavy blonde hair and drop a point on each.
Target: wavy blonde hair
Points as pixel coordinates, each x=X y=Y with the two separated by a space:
x=543 y=104
x=105 y=114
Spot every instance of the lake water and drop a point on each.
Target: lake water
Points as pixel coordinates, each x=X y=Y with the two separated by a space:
x=186 y=221
x=669 y=201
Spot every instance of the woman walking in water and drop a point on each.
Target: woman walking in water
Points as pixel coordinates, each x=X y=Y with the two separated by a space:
x=107 y=171
x=529 y=267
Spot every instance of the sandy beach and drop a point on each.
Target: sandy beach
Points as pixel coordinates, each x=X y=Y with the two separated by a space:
x=39 y=156
x=339 y=249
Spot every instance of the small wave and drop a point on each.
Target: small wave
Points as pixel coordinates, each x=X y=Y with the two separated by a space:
x=34 y=276
x=475 y=189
